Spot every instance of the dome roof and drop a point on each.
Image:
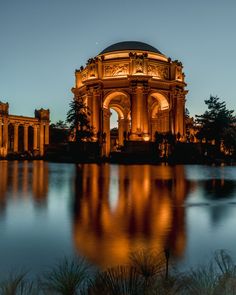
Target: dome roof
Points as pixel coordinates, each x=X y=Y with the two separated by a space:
x=130 y=45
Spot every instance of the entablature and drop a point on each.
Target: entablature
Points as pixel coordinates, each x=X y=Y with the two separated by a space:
x=129 y=64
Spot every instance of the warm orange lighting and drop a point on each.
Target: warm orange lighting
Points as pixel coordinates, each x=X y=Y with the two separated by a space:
x=140 y=216
x=138 y=84
x=146 y=137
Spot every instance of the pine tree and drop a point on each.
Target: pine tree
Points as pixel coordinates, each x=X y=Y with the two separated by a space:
x=78 y=120
x=216 y=122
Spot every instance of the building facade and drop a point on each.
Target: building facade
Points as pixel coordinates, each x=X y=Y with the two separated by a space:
x=144 y=87
x=20 y=134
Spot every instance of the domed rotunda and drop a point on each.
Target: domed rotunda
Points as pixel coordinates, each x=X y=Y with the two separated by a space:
x=144 y=87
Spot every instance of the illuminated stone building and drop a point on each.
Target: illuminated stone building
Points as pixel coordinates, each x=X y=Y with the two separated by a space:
x=144 y=87
x=23 y=134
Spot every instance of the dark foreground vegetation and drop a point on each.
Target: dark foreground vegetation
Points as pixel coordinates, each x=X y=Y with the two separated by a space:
x=148 y=273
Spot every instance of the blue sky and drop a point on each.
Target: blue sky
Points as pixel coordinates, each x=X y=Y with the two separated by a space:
x=43 y=42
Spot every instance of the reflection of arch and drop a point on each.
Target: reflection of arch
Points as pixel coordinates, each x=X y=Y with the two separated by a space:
x=162 y=100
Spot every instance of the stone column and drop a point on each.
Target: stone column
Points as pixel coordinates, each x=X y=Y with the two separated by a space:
x=96 y=110
x=89 y=98
x=154 y=128
x=121 y=125
x=41 y=139
x=1 y=133
x=139 y=112
x=106 y=132
x=180 y=115
x=134 y=114
x=166 y=121
x=16 y=138
x=47 y=133
x=5 y=134
x=35 y=144
x=26 y=139
x=144 y=112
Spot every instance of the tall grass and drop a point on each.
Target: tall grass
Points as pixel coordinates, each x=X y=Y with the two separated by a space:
x=145 y=275
x=16 y=284
x=120 y=280
x=69 y=277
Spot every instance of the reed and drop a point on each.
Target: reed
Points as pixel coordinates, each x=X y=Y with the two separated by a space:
x=145 y=275
x=69 y=277
x=16 y=284
x=120 y=280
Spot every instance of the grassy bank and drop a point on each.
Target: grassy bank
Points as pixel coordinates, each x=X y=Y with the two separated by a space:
x=147 y=274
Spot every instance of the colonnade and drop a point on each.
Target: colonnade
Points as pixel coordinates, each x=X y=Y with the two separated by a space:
x=12 y=139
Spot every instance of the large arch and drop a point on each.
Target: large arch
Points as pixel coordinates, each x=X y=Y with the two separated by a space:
x=119 y=101
x=159 y=113
x=113 y=94
x=161 y=99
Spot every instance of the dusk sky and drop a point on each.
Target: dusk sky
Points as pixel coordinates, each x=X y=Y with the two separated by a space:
x=43 y=42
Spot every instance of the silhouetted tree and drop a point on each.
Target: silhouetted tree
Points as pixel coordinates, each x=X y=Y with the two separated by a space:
x=215 y=122
x=190 y=126
x=158 y=137
x=59 y=132
x=59 y=125
x=78 y=119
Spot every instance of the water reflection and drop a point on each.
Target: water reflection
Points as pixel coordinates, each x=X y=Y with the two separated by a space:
x=127 y=208
x=220 y=192
x=103 y=212
x=23 y=180
x=216 y=189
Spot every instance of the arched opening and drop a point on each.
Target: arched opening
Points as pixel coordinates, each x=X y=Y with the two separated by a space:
x=161 y=99
x=116 y=107
x=159 y=114
x=114 y=140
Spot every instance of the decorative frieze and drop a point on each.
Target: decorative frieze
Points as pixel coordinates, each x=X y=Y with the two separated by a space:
x=112 y=70
x=84 y=75
x=158 y=71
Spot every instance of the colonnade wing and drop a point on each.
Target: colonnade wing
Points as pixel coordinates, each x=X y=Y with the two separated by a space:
x=25 y=134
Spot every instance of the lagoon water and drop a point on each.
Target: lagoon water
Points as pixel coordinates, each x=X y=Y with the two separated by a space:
x=104 y=212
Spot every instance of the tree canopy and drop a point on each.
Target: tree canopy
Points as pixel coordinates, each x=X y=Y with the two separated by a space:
x=78 y=120
x=217 y=122
x=59 y=125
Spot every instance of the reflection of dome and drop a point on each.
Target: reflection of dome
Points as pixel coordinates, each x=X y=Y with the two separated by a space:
x=130 y=45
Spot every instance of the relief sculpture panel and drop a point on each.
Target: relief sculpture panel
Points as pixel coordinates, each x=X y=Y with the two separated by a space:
x=85 y=75
x=158 y=71
x=116 y=70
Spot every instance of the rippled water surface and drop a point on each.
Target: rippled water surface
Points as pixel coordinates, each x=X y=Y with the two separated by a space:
x=102 y=212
